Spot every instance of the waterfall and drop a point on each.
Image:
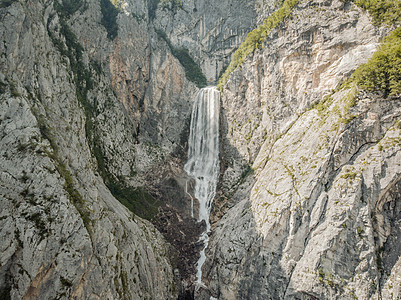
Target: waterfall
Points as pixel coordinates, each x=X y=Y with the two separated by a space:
x=203 y=158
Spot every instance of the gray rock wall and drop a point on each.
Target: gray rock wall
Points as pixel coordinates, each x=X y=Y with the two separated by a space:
x=63 y=234
x=308 y=202
x=81 y=111
x=210 y=30
x=309 y=219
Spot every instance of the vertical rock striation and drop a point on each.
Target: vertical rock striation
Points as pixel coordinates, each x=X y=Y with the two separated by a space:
x=62 y=125
x=95 y=106
x=210 y=30
x=301 y=214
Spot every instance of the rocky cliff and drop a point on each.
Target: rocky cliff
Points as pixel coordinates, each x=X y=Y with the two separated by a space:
x=96 y=98
x=210 y=30
x=83 y=113
x=309 y=196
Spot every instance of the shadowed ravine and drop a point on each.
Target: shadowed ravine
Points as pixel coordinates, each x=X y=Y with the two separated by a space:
x=120 y=178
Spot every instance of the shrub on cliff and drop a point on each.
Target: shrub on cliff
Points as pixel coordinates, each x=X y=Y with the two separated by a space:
x=383 y=71
x=6 y=3
x=256 y=38
x=109 y=17
x=172 y=4
x=382 y=11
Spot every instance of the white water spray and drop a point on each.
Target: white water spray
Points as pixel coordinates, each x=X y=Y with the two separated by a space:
x=203 y=158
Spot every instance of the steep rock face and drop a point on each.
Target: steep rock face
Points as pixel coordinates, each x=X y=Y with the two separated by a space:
x=210 y=30
x=140 y=118
x=310 y=219
x=63 y=233
x=146 y=79
x=108 y=106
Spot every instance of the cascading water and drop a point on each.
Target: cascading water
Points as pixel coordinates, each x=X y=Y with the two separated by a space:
x=203 y=158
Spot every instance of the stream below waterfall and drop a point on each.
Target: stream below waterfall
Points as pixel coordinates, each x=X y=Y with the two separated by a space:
x=203 y=159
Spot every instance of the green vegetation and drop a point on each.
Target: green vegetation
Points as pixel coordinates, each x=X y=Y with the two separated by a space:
x=13 y=88
x=192 y=71
x=383 y=71
x=117 y=3
x=137 y=200
x=6 y=3
x=152 y=7
x=65 y=282
x=110 y=12
x=3 y=87
x=174 y=5
x=323 y=105
x=379 y=261
x=247 y=171
x=256 y=38
x=74 y=196
x=350 y=175
x=68 y=7
x=382 y=11
x=39 y=224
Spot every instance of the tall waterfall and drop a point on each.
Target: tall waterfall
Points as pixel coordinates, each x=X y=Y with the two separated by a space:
x=203 y=158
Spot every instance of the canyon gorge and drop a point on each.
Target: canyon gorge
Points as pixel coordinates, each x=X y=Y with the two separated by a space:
x=182 y=149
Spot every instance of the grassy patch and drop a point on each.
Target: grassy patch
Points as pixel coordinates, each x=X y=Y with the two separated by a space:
x=383 y=71
x=39 y=224
x=256 y=38
x=382 y=11
x=323 y=105
x=13 y=89
x=349 y=175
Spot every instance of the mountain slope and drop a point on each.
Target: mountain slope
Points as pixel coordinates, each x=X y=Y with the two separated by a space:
x=310 y=189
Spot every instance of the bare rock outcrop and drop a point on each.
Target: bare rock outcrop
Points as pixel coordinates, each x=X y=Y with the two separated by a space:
x=309 y=192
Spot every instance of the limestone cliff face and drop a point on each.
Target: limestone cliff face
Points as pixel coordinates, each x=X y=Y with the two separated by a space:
x=146 y=78
x=314 y=214
x=95 y=104
x=210 y=30
x=63 y=234
x=93 y=101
